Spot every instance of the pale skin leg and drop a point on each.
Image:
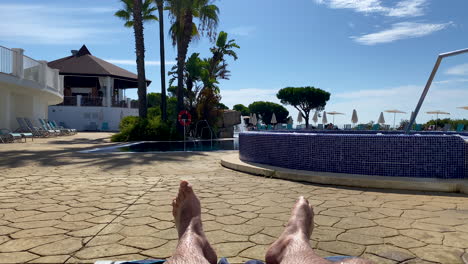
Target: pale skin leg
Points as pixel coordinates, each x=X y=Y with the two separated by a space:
x=291 y=248
x=193 y=247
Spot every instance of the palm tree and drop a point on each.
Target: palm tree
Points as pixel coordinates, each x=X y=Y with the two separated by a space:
x=134 y=13
x=160 y=5
x=183 y=30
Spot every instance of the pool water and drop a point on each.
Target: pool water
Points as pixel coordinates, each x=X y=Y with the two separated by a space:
x=175 y=146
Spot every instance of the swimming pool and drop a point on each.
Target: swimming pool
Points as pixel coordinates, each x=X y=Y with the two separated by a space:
x=424 y=155
x=172 y=146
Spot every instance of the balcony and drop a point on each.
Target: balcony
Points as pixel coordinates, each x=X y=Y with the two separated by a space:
x=29 y=72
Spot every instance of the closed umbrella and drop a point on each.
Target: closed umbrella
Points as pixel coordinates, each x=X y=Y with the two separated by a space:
x=324 y=118
x=354 y=118
x=315 y=118
x=254 y=119
x=394 y=111
x=273 y=119
x=333 y=113
x=437 y=113
x=381 y=119
x=299 y=117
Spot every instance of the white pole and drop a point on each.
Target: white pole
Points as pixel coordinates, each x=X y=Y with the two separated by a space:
x=184 y=134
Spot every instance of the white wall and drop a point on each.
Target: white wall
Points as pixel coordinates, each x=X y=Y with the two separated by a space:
x=17 y=101
x=83 y=118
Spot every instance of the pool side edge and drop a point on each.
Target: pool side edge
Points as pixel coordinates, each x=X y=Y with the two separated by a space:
x=232 y=161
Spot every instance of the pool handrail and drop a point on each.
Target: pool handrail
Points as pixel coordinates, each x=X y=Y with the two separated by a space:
x=429 y=83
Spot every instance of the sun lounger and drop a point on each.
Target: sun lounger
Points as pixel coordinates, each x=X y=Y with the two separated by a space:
x=447 y=127
x=63 y=130
x=376 y=127
x=37 y=131
x=45 y=126
x=320 y=126
x=460 y=127
x=8 y=136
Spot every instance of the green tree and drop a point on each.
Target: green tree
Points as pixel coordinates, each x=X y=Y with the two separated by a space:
x=183 y=30
x=266 y=110
x=242 y=108
x=134 y=13
x=304 y=99
x=216 y=65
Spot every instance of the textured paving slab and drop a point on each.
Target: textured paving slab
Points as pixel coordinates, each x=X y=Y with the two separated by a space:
x=59 y=206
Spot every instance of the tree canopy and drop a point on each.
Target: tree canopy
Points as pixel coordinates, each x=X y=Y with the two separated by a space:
x=266 y=110
x=304 y=99
x=241 y=108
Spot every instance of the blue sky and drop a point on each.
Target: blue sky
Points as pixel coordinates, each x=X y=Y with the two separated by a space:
x=372 y=55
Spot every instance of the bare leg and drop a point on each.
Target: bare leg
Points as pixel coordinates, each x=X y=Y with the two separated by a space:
x=293 y=246
x=193 y=247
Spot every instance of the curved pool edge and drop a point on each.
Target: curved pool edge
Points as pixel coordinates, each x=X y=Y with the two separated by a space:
x=233 y=162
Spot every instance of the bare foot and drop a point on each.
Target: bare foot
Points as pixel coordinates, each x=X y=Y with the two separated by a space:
x=297 y=231
x=187 y=214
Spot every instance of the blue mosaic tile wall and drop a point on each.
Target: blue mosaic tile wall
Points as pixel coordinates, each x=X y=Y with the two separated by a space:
x=398 y=155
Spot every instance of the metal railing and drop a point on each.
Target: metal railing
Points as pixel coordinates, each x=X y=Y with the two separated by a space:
x=6 y=60
x=429 y=83
x=92 y=101
x=31 y=68
x=122 y=104
x=69 y=101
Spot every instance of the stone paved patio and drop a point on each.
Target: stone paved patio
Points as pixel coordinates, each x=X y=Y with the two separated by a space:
x=60 y=206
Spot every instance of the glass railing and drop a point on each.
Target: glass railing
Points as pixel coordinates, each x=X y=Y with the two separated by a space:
x=6 y=60
x=31 y=69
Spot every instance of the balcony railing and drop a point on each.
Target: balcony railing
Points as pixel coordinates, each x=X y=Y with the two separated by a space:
x=15 y=63
x=6 y=60
x=31 y=69
x=69 y=100
x=95 y=101
x=92 y=101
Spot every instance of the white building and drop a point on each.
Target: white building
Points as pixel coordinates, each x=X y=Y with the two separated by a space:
x=94 y=93
x=27 y=88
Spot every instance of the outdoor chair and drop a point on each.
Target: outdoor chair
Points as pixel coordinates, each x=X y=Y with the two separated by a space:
x=40 y=132
x=70 y=130
x=105 y=126
x=460 y=127
x=360 y=127
x=289 y=126
x=320 y=126
x=347 y=126
x=376 y=127
x=25 y=130
x=8 y=136
x=64 y=131
x=270 y=127
x=47 y=128
x=418 y=127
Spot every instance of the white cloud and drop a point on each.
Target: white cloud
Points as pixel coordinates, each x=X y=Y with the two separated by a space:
x=450 y=81
x=408 y=8
x=133 y=62
x=242 y=31
x=403 y=8
x=399 y=31
x=54 y=25
x=461 y=69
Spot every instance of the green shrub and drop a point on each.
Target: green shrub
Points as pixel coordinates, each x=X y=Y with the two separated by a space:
x=128 y=121
x=145 y=129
